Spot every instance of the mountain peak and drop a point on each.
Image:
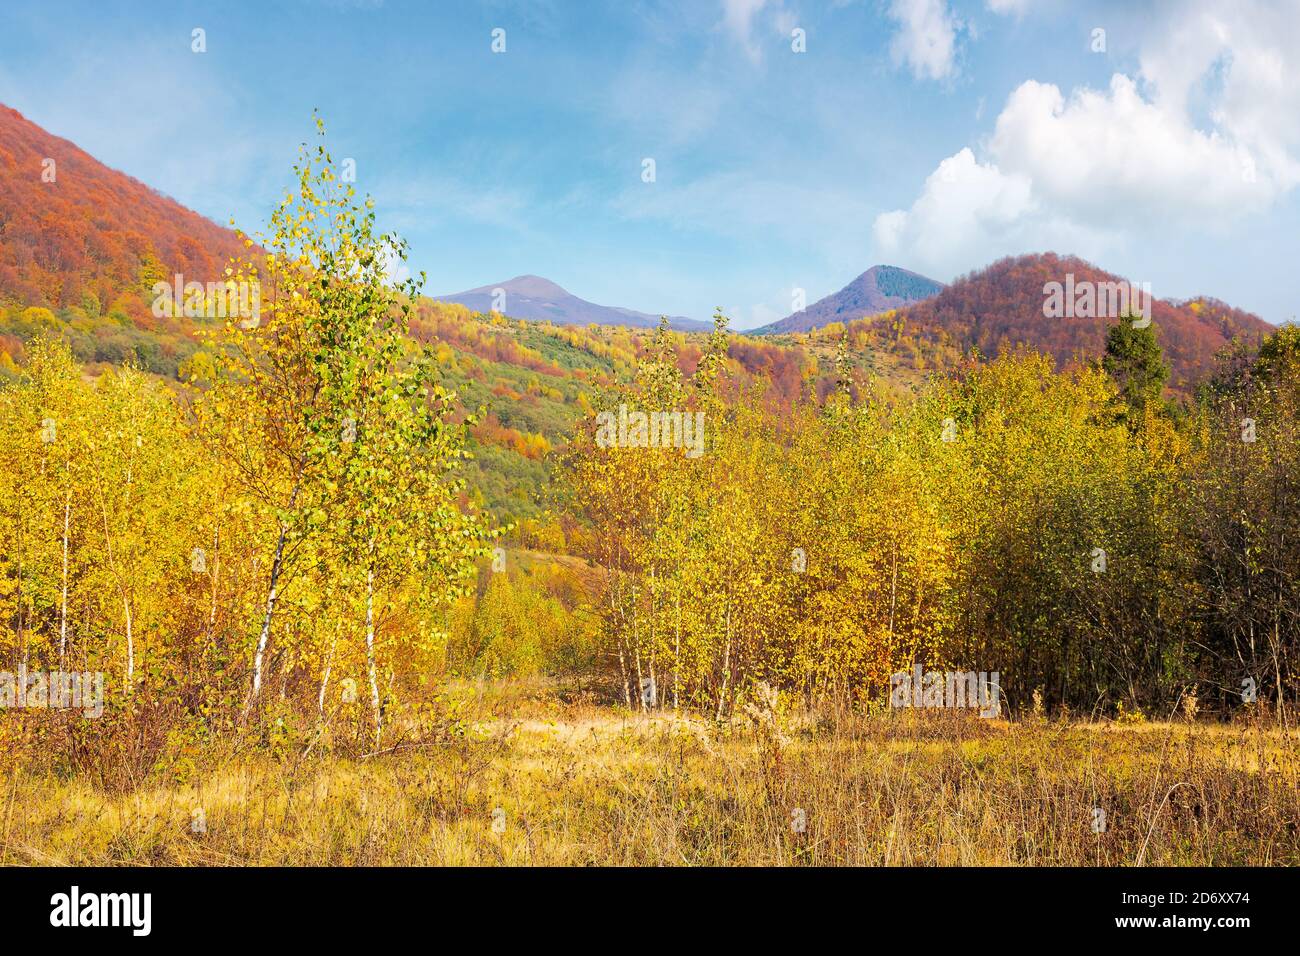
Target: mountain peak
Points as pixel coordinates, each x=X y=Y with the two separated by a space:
x=534 y=286
x=533 y=297
x=877 y=290
x=530 y=286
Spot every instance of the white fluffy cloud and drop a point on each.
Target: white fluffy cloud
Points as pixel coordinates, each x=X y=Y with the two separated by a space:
x=1246 y=54
x=738 y=18
x=926 y=41
x=1100 y=155
x=1209 y=131
x=1008 y=7
x=969 y=212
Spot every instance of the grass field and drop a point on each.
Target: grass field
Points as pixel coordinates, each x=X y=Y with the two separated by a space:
x=532 y=780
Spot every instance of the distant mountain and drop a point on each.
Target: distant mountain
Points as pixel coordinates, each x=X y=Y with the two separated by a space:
x=73 y=231
x=535 y=298
x=877 y=290
x=1002 y=306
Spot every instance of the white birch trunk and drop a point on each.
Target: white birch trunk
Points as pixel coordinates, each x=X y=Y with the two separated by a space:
x=63 y=604
x=370 y=653
x=130 y=645
x=276 y=566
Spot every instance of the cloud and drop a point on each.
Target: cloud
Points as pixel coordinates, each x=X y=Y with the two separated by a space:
x=969 y=213
x=738 y=17
x=1102 y=155
x=926 y=41
x=1236 y=64
x=1207 y=133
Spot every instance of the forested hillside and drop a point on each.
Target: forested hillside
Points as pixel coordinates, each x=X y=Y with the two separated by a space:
x=74 y=230
x=333 y=521
x=1001 y=306
x=81 y=247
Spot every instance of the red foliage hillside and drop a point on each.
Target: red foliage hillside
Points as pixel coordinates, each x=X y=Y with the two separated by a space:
x=1001 y=306
x=93 y=230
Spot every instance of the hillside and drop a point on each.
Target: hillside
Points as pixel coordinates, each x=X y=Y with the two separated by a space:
x=81 y=246
x=532 y=297
x=877 y=290
x=78 y=257
x=533 y=382
x=1002 y=306
x=77 y=231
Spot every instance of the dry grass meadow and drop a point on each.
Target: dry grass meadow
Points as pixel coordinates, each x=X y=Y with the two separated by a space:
x=528 y=779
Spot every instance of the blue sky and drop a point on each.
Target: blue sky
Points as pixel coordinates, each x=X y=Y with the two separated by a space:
x=933 y=135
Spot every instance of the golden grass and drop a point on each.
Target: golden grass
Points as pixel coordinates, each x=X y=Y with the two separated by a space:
x=581 y=784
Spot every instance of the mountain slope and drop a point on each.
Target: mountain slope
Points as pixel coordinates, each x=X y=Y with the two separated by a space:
x=877 y=290
x=1001 y=306
x=76 y=229
x=535 y=298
